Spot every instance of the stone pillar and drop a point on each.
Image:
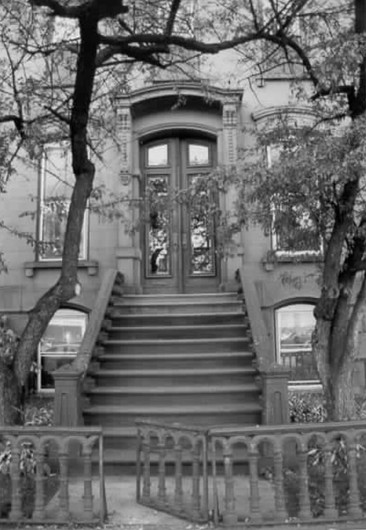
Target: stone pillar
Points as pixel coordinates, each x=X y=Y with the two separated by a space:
x=67 y=397
x=128 y=257
x=275 y=395
x=229 y=158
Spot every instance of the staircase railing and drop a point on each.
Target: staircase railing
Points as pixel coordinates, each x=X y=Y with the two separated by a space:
x=297 y=475
x=274 y=377
x=69 y=378
x=166 y=448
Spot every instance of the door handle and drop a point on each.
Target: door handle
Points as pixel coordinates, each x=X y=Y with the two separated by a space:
x=175 y=244
x=184 y=240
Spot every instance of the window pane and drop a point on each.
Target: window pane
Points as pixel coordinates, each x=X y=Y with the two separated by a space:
x=295 y=230
x=56 y=188
x=59 y=344
x=198 y=155
x=157 y=155
x=158 y=230
x=295 y=325
x=201 y=220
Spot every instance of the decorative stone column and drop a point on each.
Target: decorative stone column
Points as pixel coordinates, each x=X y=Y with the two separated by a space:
x=229 y=157
x=275 y=395
x=128 y=254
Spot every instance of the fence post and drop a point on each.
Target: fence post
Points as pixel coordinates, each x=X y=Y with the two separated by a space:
x=67 y=397
x=275 y=395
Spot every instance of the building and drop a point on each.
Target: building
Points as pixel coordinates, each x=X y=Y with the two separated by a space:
x=170 y=133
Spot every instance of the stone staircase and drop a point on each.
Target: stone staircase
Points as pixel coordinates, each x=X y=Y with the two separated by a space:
x=181 y=358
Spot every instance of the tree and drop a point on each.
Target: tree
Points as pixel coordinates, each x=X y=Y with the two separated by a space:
x=319 y=176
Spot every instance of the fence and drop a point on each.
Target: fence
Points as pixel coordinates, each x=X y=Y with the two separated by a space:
x=46 y=475
x=296 y=474
x=163 y=451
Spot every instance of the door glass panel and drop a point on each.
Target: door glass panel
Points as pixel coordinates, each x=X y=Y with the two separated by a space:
x=158 y=230
x=157 y=155
x=201 y=225
x=198 y=155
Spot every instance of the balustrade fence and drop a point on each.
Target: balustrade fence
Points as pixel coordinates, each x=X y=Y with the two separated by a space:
x=46 y=475
x=164 y=452
x=297 y=474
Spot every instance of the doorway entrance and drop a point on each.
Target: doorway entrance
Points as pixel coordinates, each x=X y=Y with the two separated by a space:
x=179 y=243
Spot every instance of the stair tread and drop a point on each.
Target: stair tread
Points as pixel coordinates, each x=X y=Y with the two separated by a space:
x=208 y=389
x=174 y=356
x=145 y=410
x=177 y=371
x=178 y=328
x=177 y=316
x=175 y=341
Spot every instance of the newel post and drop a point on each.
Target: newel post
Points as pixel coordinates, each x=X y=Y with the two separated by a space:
x=275 y=395
x=67 y=397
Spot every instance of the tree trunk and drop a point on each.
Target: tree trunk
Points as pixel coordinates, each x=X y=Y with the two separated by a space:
x=10 y=397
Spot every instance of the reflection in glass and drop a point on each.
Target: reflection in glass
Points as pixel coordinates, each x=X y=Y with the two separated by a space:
x=201 y=229
x=157 y=155
x=158 y=233
x=295 y=325
x=59 y=344
x=198 y=155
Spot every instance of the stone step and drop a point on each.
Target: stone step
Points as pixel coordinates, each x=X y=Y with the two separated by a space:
x=176 y=332
x=163 y=298
x=185 y=306
x=120 y=361
x=164 y=377
x=178 y=319
x=112 y=415
x=175 y=395
x=212 y=344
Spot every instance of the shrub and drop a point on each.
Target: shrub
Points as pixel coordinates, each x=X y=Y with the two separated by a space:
x=307 y=407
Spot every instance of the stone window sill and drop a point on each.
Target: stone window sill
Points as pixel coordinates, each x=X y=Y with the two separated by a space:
x=31 y=267
x=274 y=258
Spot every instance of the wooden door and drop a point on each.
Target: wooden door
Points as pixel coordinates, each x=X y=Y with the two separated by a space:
x=178 y=235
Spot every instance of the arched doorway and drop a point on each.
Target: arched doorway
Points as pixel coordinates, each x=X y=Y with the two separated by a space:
x=178 y=237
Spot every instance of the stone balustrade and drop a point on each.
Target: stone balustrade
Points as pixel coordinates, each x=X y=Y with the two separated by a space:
x=46 y=475
x=163 y=452
x=298 y=475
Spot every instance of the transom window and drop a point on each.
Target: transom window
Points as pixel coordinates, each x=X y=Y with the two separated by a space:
x=294 y=327
x=59 y=345
x=57 y=182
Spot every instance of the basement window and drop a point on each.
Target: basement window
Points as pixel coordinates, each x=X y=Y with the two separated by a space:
x=294 y=327
x=59 y=345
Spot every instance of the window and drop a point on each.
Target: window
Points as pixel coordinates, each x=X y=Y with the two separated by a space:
x=57 y=182
x=294 y=326
x=294 y=225
x=59 y=344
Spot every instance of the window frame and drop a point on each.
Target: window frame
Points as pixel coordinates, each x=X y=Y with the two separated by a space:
x=279 y=252
x=63 y=316
x=84 y=243
x=294 y=384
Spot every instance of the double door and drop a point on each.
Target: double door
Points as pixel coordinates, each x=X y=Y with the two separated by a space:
x=179 y=243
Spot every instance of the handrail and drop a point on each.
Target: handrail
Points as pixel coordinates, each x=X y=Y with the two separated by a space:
x=274 y=376
x=68 y=378
x=83 y=357
x=260 y=334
